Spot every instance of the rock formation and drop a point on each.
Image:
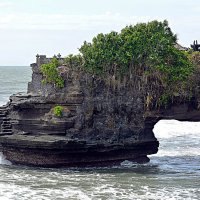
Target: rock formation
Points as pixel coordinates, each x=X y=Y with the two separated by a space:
x=100 y=124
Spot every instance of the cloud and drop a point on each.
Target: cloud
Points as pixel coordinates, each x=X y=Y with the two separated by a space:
x=5 y=4
x=66 y=22
x=104 y=22
x=197 y=8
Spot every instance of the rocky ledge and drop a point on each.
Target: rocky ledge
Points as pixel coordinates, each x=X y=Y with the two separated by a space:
x=100 y=124
x=56 y=151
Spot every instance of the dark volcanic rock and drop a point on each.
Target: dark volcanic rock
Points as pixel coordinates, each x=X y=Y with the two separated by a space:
x=102 y=122
x=54 y=151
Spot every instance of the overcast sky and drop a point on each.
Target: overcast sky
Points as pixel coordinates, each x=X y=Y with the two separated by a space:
x=30 y=27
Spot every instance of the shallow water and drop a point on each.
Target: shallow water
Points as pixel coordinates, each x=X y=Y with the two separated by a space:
x=173 y=173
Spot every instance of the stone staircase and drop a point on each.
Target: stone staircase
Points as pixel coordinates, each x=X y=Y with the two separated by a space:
x=6 y=126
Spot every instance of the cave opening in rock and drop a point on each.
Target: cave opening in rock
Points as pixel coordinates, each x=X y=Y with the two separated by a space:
x=177 y=138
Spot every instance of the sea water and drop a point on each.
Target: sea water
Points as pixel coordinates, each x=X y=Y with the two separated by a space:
x=173 y=173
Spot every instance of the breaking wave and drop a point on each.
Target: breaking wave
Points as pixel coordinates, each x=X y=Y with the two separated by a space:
x=3 y=160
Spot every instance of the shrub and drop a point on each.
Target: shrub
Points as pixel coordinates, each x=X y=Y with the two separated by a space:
x=58 y=111
x=51 y=74
x=74 y=61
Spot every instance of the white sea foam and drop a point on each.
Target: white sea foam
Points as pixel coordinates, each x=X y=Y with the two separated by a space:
x=3 y=100
x=175 y=153
x=107 y=191
x=174 y=128
x=178 y=138
x=3 y=160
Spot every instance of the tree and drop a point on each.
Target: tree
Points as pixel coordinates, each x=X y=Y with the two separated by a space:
x=144 y=49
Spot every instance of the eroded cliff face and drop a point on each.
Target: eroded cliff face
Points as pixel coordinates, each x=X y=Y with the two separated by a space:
x=101 y=123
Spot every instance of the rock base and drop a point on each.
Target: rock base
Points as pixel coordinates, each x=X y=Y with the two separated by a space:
x=60 y=152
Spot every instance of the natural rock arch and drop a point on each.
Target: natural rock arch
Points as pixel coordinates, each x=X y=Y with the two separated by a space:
x=101 y=124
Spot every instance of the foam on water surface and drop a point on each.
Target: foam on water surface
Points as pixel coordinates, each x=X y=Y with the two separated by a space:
x=3 y=160
x=174 y=128
x=178 y=138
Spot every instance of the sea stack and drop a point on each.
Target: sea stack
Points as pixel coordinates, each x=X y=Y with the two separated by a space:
x=99 y=125
x=100 y=107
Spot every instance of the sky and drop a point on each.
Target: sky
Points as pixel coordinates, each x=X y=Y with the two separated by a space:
x=49 y=27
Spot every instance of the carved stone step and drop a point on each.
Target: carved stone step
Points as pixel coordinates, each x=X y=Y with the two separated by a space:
x=6 y=130
x=6 y=119
x=6 y=133
x=4 y=126
x=6 y=122
x=3 y=110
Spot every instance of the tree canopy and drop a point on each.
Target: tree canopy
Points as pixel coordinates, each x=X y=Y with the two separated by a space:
x=145 y=50
x=145 y=46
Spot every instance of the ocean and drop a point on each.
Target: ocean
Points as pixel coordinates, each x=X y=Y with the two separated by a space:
x=173 y=173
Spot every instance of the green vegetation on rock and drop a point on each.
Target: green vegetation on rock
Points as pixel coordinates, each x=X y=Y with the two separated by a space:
x=144 y=46
x=74 y=61
x=143 y=56
x=145 y=50
x=58 y=111
x=51 y=74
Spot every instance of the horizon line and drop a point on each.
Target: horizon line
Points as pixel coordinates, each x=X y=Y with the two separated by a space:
x=14 y=65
